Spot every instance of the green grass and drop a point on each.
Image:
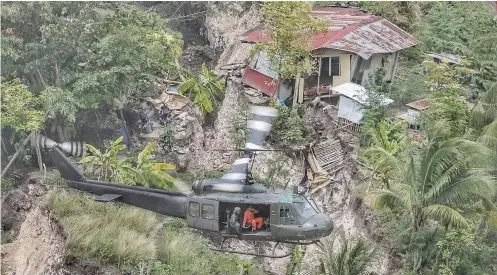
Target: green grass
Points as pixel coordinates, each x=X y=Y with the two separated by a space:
x=189 y=255
x=6 y=185
x=108 y=232
x=122 y=235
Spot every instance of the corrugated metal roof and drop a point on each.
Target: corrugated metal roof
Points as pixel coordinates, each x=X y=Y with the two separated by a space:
x=356 y=92
x=420 y=105
x=351 y=30
x=259 y=81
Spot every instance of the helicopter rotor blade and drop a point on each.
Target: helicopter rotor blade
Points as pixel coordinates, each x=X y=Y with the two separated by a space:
x=259 y=126
x=73 y=148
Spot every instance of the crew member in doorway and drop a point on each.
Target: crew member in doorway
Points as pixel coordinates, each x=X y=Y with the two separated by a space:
x=235 y=220
x=248 y=217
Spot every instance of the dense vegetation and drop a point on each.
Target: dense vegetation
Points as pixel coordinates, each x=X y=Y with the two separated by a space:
x=434 y=198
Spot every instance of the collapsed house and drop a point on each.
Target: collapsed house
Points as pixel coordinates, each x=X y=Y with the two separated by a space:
x=355 y=45
x=411 y=117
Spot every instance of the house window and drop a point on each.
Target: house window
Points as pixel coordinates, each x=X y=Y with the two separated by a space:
x=194 y=209
x=335 y=65
x=208 y=211
x=325 y=66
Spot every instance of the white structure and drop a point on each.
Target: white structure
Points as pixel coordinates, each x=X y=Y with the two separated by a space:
x=353 y=98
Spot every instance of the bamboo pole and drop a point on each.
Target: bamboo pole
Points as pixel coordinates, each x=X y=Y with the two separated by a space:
x=4 y=171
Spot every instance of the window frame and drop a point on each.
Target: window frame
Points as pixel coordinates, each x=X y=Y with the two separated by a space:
x=190 y=209
x=331 y=63
x=206 y=217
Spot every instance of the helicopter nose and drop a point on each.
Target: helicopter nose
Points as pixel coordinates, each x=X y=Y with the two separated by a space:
x=318 y=226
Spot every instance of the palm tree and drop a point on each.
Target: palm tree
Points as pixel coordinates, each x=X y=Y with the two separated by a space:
x=430 y=182
x=485 y=109
x=204 y=88
x=388 y=136
x=348 y=259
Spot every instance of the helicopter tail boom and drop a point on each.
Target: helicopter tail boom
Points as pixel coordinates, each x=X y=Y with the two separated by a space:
x=160 y=201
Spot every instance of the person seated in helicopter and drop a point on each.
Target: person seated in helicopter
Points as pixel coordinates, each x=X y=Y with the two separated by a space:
x=234 y=222
x=248 y=218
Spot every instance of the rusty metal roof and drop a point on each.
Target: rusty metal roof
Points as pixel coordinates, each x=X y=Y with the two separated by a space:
x=420 y=105
x=259 y=81
x=351 y=30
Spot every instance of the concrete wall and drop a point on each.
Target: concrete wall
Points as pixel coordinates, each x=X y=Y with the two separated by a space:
x=389 y=64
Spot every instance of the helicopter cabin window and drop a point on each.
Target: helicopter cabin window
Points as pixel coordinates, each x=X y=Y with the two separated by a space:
x=194 y=209
x=208 y=211
x=284 y=212
x=286 y=216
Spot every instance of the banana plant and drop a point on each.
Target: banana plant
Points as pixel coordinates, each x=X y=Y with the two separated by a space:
x=205 y=89
x=109 y=167
x=152 y=174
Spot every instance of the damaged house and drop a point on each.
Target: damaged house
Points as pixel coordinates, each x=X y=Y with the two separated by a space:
x=356 y=44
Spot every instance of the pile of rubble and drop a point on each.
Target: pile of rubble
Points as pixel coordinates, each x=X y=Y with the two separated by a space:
x=176 y=113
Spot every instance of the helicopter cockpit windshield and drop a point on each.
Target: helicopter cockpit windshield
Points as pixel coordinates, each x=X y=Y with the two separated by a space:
x=304 y=210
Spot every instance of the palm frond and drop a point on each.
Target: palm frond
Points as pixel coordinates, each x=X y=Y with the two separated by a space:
x=474 y=183
x=445 y=214
x=379 y=198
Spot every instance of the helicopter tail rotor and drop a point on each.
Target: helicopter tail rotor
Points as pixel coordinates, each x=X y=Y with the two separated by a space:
x=73 y=148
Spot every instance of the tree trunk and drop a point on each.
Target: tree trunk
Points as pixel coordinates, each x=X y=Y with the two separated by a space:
x=4 y=171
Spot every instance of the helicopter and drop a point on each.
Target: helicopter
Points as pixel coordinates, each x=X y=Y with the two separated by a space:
x=288 y=216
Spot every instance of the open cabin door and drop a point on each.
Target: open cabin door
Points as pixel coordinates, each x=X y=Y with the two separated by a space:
x=203 y=214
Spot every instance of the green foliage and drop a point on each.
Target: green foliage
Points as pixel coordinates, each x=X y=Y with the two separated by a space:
x=85 y=54
x=277 y=172
x=109 y=233
x=350 y=259
x=408 y=85
x=166 y=139
x=108 y=166
x=390 y=137
x=447 y=102
x=485 y=109
x=430 y=182
x=20 y=107
x=290 y=27
x=204 y=89
x=287 y=128
x=452 y=246
x=377 y=88
x=188 y=254
x=467 y=29
x=450 y=108
x=405 y=14
x=53 y=178
x=239 y=130
x=7 y=185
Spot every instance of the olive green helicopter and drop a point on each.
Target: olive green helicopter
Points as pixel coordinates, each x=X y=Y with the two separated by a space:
x=215 y=205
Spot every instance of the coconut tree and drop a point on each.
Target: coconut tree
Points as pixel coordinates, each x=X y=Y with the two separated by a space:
x=430 y=182
x=348 y=259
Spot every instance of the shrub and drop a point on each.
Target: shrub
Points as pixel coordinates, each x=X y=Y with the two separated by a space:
x=288 y=127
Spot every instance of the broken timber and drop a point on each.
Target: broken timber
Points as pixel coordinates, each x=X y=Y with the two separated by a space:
x=329 y=155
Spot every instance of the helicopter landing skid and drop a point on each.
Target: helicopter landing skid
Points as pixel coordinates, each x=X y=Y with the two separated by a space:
x=252 y=254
